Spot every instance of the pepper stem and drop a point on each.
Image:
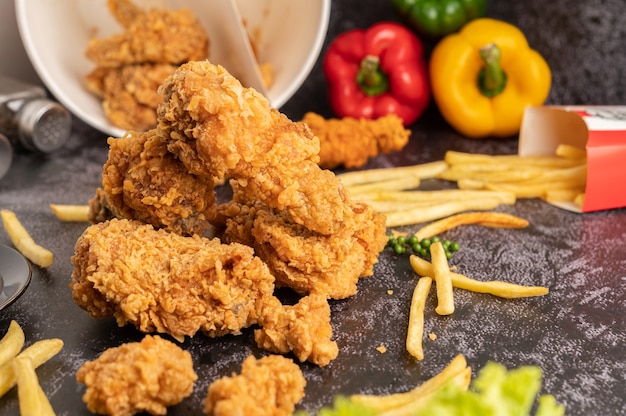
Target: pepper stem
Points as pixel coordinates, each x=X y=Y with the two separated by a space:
x=370 y=78
x=491 y=79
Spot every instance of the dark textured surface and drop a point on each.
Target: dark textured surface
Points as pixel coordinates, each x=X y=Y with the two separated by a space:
x=577 y=333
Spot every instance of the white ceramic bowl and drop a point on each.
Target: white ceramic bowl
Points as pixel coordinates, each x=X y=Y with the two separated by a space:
x=288 y=34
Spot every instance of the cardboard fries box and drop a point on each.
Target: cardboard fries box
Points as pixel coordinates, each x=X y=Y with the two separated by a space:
x=601 y=130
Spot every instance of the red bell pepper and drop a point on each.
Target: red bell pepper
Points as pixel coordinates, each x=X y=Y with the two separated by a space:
x=377 y=71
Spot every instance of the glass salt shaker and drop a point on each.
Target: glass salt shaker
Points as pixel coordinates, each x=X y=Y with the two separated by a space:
x=29 y=119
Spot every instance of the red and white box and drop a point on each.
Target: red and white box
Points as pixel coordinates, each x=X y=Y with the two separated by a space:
x=601 y=130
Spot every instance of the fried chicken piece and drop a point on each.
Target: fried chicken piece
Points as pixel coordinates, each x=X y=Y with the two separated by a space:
x=130 y=93
x=351 y=142
x=164 y=282
x=303 y=329
x=136 y=377
x=156 y=35
x=141 y=180
x=269 y=386
x=218 y=128
x=302 y=259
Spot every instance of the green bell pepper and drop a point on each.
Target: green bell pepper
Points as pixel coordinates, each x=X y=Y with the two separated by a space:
x=437 y=18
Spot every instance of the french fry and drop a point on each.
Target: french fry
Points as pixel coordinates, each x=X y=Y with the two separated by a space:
x=571 y=152
x=71 y=213
x=38 y=352
x=23 y=241
x=32 y=399
x=493 y=287
x=11 y=343
x=443 y=281
x=396 y=184
x=408 y=402
x=415 y=332
x=458 y=172
x=487 y=219
x=535 y=190
x=423 y=171
x=580 y=199
x=438 y=211
x=437 y=196
x=561 y=195
x=509 y=161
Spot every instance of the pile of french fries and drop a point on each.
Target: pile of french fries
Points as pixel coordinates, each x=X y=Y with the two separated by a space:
x=484 y=182
x=17 y=367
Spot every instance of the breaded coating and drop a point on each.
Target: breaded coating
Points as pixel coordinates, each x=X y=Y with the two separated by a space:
x=163 y=282
x=130 y=93
x=141 y=180
x=303 y=329
x=301 y=259
x=136 y=377
x=131 y=66
x=351 y=142
x=218 y=128
x=269 y=386
x=155 y=35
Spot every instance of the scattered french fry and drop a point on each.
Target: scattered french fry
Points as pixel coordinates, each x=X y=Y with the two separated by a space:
x=71 y=213
x=39 y=352
x=439 y=210
x=443 y=281
x=494 y=287
x=415 y=332
x=396 y=184
x=409 y=402
x=437 y=196
x=506 y=162
x=32 y=399
x=487 y=219
x=22 y=240
x=11 y=343
x=423 y=171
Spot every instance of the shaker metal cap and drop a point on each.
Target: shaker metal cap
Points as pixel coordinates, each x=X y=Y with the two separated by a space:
x=43 y=125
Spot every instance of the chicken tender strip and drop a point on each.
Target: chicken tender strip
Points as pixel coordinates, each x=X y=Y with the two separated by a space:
x=156 y=35
x=303 y=329
x=136 y=377
x=163 y=282
x=218 y=128
x=271 y=385
x=142 y=181
x=351 y=142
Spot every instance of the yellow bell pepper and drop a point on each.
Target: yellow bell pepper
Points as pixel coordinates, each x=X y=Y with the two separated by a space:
x=484 y=76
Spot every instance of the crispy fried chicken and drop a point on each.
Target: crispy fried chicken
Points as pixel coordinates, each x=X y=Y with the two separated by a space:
x=269 y=386
x=303 y=329
x=218 y=128
x=141 y=180
x=130 y=93
x=130 y=66
x=301 y=259
x=164 y=282
x=155 y=35
x=351 y=142
x=136 y=377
